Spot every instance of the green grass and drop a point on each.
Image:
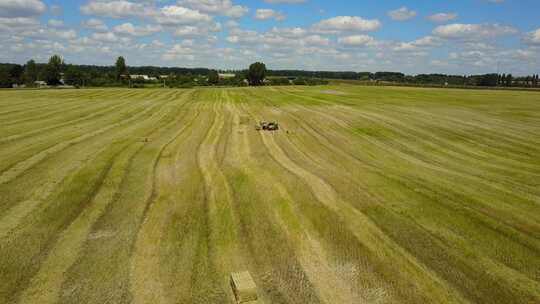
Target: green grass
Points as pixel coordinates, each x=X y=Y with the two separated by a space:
x=366 y=195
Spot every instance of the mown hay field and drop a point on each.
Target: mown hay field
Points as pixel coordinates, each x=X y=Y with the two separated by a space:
x=366 y=195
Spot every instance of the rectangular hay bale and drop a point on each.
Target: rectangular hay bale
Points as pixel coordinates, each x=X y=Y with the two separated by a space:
x=243 y=287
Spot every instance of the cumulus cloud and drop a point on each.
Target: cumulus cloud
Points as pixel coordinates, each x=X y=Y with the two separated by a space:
x=402 y=14
x=130 y=29
x=265 y=14
x=417 y=45
x=473 y=31
x=533 y=37
x=21 y=8
x=216 y=7
x=17 y=24
x=174 y=15
x=115 y=9
x=356 y=40
x=95 y=24
x=347 y=23
x=443 y=17
x=55 y=23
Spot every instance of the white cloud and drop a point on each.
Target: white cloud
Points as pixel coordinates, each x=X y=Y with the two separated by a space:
x=216 y=7
x=55 y=23
x=105 y=37
x=21 y=8
x=17 y=24
x=347 y=23
x=295 y=32
x=95 y=24
x=130 y=29
x=417 y=45
x=116 y=9
x=402 y=14
x=533 y=37
x=265 y=14
x=356 y=40
x=443 y=17
x=193 y=31
x=174 y=15
x=473 y=31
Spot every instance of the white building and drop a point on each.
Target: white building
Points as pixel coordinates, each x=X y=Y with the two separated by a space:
x=143 y=77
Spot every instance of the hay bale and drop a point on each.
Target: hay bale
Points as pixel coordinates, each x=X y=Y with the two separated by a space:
x=243 y=287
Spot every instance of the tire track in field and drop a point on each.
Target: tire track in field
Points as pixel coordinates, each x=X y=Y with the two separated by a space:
x=421 y=163
x=123 y=237
x=145 y=283
x=19 y=168
x=497 y=268
x=488 y=142
x=13 y=217
x=500 y=158
x=29 y=246
x=59 y=107
x=46 y=285
x=494 y=185
x=500 y=271
x=15 y=170
x=329 y=287
x=346 y=126
x=482 y=213
x=367 y=232
x=93 y=114
x=223 y=242
x=25 y=106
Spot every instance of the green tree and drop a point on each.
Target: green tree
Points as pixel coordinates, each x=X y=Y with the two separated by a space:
x=256 y=74
x=213 y=77
x=16 y=74
x=509 y=79
x=73 y=76
x=5 y=81
x=53 y=71
x=30 y=72
x=121 y=67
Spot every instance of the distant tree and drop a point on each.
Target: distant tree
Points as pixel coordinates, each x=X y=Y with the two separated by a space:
x=53 y=71
x=121 y=67
x=213 y=77
x=536 y=80
x=5 y=80
x=256 y=74
x=16 y=74
x=73 y=76
x=509 y=79
x=30 y=72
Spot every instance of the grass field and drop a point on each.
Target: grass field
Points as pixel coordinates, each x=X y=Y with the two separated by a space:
x=366 y=195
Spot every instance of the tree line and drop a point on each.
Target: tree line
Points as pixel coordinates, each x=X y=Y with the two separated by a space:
x=57 y=72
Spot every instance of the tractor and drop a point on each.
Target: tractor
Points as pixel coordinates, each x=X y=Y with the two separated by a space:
x=267 y=126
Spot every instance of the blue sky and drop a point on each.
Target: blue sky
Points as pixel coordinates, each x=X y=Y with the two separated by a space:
x=458 y=36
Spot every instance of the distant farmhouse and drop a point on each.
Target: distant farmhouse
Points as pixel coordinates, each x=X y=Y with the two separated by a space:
x=143 y=77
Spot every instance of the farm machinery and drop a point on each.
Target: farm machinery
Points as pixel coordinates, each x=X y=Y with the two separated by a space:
x=267 y=126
